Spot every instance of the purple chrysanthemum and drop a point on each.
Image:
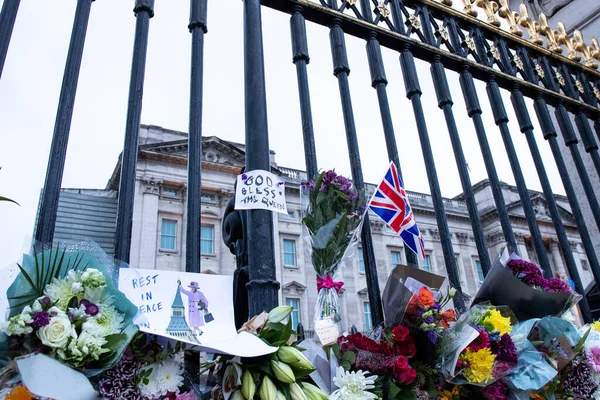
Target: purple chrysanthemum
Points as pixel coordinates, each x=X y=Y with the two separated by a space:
x=40 y=319
x=556 y=285
x=505 y=350
x=91 y=309
x=119 y=382
x=527 y=272
x=496 y=391
x=578 y=379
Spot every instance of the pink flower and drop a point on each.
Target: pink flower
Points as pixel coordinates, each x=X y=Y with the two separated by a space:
x=594 y=358
x=407 y=376
x=481 y=342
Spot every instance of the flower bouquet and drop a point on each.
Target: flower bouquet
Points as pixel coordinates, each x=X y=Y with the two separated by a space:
x=333 y=219
x=520 y=285
x=64 y=304
x=147 y=371
x=275 y=376
x=478 y=349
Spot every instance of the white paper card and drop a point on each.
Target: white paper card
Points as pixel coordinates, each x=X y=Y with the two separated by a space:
x=327 y=331
x=191 y=308
x=260 y=190
x=45 y=377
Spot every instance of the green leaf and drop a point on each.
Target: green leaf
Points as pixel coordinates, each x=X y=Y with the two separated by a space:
x=349 y=357
x=73 y=303
x=2 y=198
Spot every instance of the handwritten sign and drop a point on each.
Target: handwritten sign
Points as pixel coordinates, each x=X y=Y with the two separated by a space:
x=260 y=190
x=327 y=331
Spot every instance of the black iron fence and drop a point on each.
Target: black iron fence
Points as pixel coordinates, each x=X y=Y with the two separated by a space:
x=431 y=31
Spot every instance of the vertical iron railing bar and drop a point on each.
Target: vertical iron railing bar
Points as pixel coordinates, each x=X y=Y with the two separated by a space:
x=397 y=9
x=445 y=103
x=262 y=286
x=341 y=70
x=581 y=121
x=570 y=138
x=8 y=16
x=589 y=98
x=526 y=126
x=413 y=93
x=144 y=10
x=197 y=27
x=501 y=119
x=474 y=111
x=301 y=59
x=48 y=209
x=379 y=83
x=549 y=132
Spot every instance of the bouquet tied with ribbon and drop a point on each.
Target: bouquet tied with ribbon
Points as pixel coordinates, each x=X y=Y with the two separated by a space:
x=333 y=215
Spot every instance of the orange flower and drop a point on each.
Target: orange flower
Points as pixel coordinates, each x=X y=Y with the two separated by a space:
x=426 y=296
x=448 y=315
x=20 y=393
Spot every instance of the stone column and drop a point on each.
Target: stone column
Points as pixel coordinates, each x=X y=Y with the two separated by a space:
x=149 y=235
x=559 y=265
x=521 y=245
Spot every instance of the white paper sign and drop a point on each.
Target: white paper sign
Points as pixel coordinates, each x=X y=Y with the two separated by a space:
x=192 y=308
x=260 y=190
x=327 y=331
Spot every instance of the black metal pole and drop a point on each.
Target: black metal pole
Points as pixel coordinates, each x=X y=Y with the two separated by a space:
x=301 y=59
x=413 y=93
x=8 y=16
x=379 y=83
x=44 y=233
x=197 y=27
x=501 y=119
x=341 y=70
x=445 y=102
x=541 y=109
x=144 y=10
x=587 y=137
x=263 y=286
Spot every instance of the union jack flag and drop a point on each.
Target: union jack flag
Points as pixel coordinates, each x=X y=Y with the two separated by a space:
x=390 y=203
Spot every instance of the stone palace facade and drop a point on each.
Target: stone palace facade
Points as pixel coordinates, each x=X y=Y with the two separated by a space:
x=160 y=218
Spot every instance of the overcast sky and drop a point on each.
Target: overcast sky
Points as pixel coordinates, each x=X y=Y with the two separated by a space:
x=32 y=76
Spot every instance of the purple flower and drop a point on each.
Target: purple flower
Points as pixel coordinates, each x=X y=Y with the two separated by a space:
x=46 y=302
x=40 y=319
x=90 y=308
x=496 y=391
x=594 y=358
x=556 y=285
x=119 y=382
x=505 y=350
x=328 y=178
x=432 y=336
x=578 y=379
x=527 y=272
x=309 y=185
x=429 y=320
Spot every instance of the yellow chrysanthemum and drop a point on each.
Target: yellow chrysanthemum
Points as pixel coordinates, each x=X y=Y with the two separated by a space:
x=449 y=395
x=499 y=322
x=596 y=325
x=480 y=365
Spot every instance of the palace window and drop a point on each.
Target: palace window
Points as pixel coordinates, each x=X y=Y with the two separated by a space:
x=361 y=261
x=295 y=315
x=479 y=270
x=396 y=258
x=206 y=239
x=427 y=263
x=289 y=253
x=367 y=316
x=168 y=235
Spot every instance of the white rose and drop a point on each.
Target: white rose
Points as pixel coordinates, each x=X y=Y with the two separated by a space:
x=57 y=333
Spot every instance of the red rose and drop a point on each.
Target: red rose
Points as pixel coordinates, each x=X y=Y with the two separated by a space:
x=400 y=364
x=407 y=376
x=400 y=333
x=407 y=348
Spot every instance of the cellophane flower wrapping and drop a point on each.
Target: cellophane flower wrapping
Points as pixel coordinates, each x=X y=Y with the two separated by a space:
x=520 y=285
x=478 y=349
x=64 y=303
x=332 y=219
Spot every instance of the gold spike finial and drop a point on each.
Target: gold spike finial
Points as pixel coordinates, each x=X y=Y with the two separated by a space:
x=550 y=34
x=446 y=2
x=563 y=38
x=533 y=27
x=595 y=49
x=512 y=17
x=490 y=8
x=583 y=48
x=469 y=9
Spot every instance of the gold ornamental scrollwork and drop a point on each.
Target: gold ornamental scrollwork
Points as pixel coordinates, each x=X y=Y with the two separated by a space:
x=512 y=17
x=533 y=27
x=383 y=10
x=490 y=8
x=550 y=34
x=564 y=39
x=584 y=49
x=469 y=8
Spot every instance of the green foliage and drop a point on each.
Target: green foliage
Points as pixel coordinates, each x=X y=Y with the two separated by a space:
x=2 y=198
x=348 y=358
